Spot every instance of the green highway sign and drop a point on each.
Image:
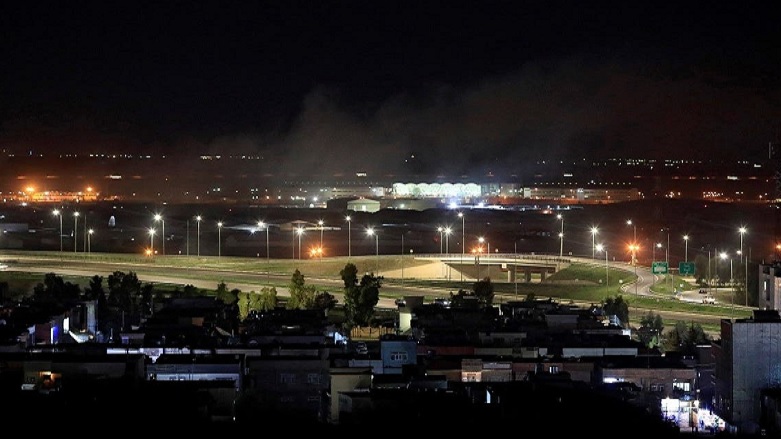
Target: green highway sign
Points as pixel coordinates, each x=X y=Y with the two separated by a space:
x=659 y=267
x=686 y=268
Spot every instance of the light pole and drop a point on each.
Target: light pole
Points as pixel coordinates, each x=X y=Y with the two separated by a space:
x=463 y=244
x=152 y=241
x=482 y=240
x=634 y=249
x=653 y=253
x=440 y=230
x=159 y=217
x=370 y=231
x=594 y=231
x=349 y=237
x=89 y=241
x=600 y=248
x=742 y=230
x=299 y=232
x=75 y=230
x=561 y=237
x=448 y=231
x=59 y=214
x=724 y=255
x=634 y=237
x=198 y=234
x=219 y=239
x=686 y=243
x=320 y=223
x=263 y=225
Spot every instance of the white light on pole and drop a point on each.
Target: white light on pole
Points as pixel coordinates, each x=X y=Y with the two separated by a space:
x=159 y=217
x=561 y=236
x=299 y=232
x=349 y=237
x=463 y=244
x=75 y=230
x=89 y=241
x=601 y=248
x=152 y=241
x=441 y=230
x=320 y=223
x=262 y=225
x=742 y=230
x=59 y=214
x=686 y=243
x=219 y=239
x=198 y=234
x=594 y=231
x=448 y=231
x=370 y=231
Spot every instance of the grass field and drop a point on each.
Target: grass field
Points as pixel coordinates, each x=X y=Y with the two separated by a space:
x=579 y=283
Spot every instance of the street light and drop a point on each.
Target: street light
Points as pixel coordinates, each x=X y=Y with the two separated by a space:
x=59 y=214
x=594 y=231
x=463 y=244
x=152 y=241
x=724 y=255
x=447 y=231
x=219 y=239
x=89 y=241
x=441 y=230
x=299 y=232
x=686 y=243
x=482 y=240
x=370 y=231
x=600 y=248
x=634 y=248
x=742 y=230
x=349 y=238
x=261 y=225
x=320 y=223
x=75 y=230
x=634 y=237
x=561 y=236
x=159 y=217
x=653 y=253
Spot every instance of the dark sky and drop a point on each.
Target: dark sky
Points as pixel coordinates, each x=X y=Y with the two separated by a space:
x=332 y=85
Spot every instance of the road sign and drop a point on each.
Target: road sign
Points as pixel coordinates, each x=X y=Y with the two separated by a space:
x=686 y=268
x=659 y=267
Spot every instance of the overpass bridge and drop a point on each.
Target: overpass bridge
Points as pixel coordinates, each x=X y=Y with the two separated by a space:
x=510 y=266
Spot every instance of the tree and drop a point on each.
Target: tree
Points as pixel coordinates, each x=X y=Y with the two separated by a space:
x=484 y=291
x=650 y=331
x=617 y=307
x=302 y=296
x=54 y=290
x=227 y=297
x=359 y=298
x=685 y=338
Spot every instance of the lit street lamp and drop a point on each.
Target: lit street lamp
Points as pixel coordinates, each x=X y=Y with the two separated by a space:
x=152 y=240
x=59 y=214
x=299 y=232
x=742 y=230
x=686 y=242
x=261 y=225
x=633 y=247
x=653 y=253
x=219 y=239
x=634 y=238
x=440 y=230
x=320 y=223
x=370 y=231
x=159 y=217
x=561 y=236
x=89 y=241
x=349 y=237
x=594 y=231
x=448 y=231
x=198 y=234
x=75 y=230
x=600 y=248
x=463 y=244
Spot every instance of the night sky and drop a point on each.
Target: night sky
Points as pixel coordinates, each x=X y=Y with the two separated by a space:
x=408 y=87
